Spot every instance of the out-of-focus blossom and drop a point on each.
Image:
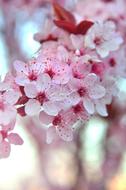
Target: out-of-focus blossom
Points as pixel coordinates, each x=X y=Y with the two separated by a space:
x=103 y=38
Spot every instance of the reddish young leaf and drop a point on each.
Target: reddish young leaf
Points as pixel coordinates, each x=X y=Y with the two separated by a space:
x=83 y=27
x=63 y=14
x=69 y=27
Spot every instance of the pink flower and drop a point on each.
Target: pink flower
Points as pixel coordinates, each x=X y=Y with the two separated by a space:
x=36 y=92
x=111 y=91
x=103 y=38
x=61 y=125
x=6 y=140
x=54 y=60
x=64 y=123
x=8 y=97
x=27 y=72
x=89 y=89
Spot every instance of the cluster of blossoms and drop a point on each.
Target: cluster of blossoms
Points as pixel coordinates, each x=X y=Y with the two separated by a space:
x=72 y=77
x=9 y=95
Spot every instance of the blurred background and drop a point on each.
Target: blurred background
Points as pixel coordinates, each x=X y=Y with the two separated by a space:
x=95 y=160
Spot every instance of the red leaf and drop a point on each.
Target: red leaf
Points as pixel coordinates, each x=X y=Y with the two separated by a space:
x=83 y=27
x=69 y=27
x=63 y=14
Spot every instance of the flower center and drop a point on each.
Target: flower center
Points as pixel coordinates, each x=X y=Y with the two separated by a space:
x=32 y=76
x=98 y=41
x=50 y=72
x=77 y=109
x=82 y=92
x=41 y=97
x=57 y=120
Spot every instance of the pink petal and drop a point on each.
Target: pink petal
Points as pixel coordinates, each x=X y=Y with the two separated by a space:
x=45 y=118
x=65 y=133
x=32 y=107
x=68 y=118
x=15 y=139
x=4 y=149
x=30 y=90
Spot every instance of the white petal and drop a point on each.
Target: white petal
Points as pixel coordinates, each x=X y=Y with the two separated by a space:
x=45 y=118
x=8 y=115
x=90 y=80
x=22 y=80
x=30 y=90
x=50 y=135
x=20 y=66
x=77 y=41
x=71 y=100
x=101 y=109
x=43 y=82
x=32 y=107
x=103 y=51
x=88 y=41
x=51 y=108
x=58 y=93
x=3 y=86
x=97 y=92
x=89 y=105
x=11 y=96
x=62 y=53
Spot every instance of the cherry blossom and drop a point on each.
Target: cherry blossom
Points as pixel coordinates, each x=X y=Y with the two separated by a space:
x=63 y=124
x=89 y=89
x=103 y=38
x=73 y=75
x=8 y=97
x=27 y=72
x=37 y=94
x=54 y=61
x=6 y=139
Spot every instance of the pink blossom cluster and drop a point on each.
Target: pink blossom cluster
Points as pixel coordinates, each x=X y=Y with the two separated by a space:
x=9 y=95
x=72 y=77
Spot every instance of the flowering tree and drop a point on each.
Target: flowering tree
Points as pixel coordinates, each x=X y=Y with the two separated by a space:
x=72 y=78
